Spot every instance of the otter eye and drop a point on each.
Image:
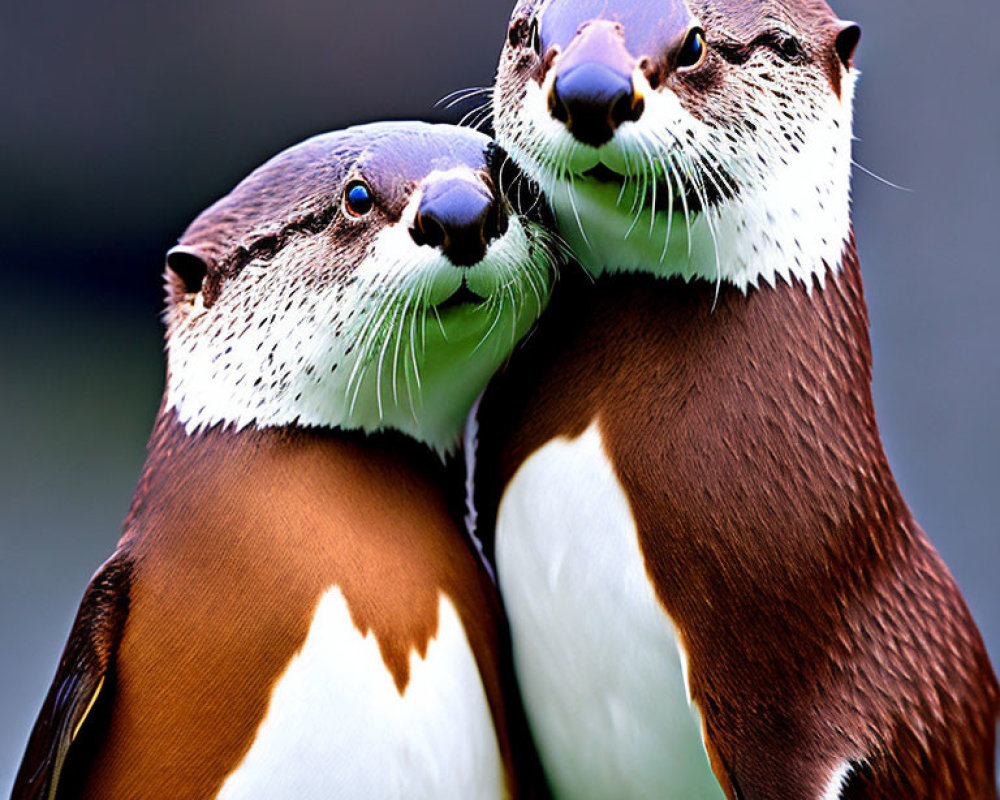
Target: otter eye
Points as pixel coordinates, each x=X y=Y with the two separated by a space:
x=790 y=49
x=693 y=50
x=535 y=37
x=523 y=33
x=358 y=199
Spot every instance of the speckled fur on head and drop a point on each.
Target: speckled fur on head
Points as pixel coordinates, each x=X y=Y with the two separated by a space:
x=309 y=316
x=737 y=169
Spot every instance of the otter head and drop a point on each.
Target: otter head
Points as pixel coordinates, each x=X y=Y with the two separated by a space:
x=365 y=279
x=707 y=138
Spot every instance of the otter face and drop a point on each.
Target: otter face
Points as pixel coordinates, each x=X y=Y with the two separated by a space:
x=708 y=138
x=366 y=279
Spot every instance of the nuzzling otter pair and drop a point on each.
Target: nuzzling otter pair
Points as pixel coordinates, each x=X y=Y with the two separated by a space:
x=714 y=587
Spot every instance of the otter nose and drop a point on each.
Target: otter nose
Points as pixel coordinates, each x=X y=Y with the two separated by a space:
x=592 y=93
x=592 y=101
x=460 y=216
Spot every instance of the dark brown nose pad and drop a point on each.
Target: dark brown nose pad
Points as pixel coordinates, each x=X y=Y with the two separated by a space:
x=593 y=101
x=460 y=218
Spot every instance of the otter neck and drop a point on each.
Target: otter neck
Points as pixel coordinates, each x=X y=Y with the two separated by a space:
x=755 y=410
x=741 y=431
x=246 y=380
x=240 y=537
x=186 y=472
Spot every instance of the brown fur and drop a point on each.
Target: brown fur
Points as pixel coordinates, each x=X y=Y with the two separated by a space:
x=79 y=684
x=235 y=536
x=231 y=542
x=819 y=622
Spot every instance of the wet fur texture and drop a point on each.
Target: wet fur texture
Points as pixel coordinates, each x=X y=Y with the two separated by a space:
x=820 y=625
x=831 y=654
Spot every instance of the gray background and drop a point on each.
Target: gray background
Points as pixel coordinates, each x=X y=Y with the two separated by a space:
x=120 y=120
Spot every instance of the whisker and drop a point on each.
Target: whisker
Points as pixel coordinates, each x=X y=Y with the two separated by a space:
x=682 y=193
x=454 y=98
x=420 y=311
x=424 y=302
x=496 y=321
x=879 y=178
x=362 y=346
x=437 y=316
x=411 y=370
x=397 y=332
x=652 y=208
x=469 y=119
x=700 y=190
x=576 y=213
x=628 y=174
x=671 y=191
x=378 y=375
x=365 y=344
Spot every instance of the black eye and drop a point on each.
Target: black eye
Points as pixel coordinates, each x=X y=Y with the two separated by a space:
x=535 y=37
x=358 y=199
x=693 y=51
x=789 y=48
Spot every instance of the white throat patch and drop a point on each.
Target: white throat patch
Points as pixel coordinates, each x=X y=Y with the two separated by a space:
x=790 y=220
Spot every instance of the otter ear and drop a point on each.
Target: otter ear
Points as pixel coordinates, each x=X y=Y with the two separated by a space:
x=848 y=36
x=190 y=266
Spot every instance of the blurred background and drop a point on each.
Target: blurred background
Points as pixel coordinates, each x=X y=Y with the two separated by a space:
x=119 y=121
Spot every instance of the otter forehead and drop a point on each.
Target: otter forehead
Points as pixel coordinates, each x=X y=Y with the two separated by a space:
x=652 y=30
x=300 y=189
x=647 y=27
x=651 y=25
x=306 y=178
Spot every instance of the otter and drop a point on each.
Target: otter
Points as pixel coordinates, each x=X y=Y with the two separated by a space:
x=714 y=585
x=293 y=609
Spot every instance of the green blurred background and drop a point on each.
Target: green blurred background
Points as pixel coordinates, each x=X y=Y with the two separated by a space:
x=121 y=120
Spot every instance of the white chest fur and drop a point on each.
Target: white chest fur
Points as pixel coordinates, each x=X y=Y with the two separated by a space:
x=597 y=656
x=337 y=727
